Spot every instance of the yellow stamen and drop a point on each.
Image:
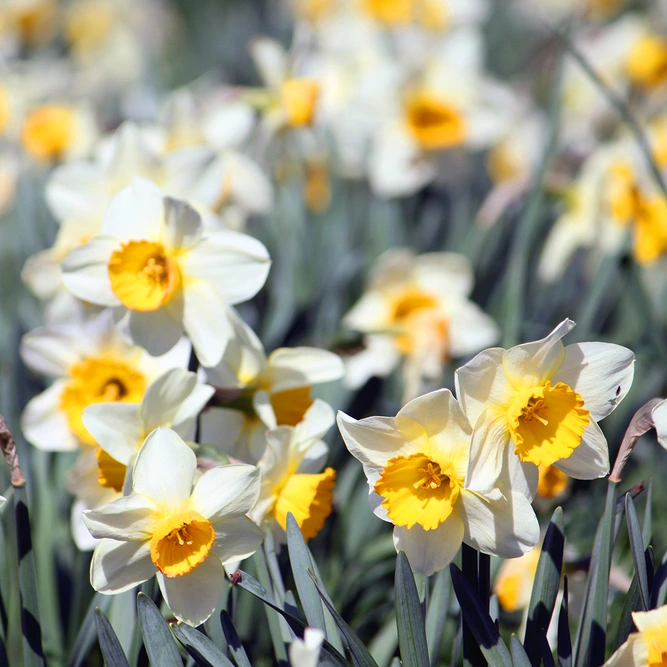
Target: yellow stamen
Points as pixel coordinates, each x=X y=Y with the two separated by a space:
x=647 y=63
x=110 y=473
x=143 y=276
x=390 y=12
x=180 y=542
x=309 y=498
x=552 y=482
x=48 y=131
x=547 y=423
x=88 y=26
x=98 y=380
x=291 y=405
x=622 y=193
x=434 y=123
x=299 y=97
x=650 y=232
x=418 y=490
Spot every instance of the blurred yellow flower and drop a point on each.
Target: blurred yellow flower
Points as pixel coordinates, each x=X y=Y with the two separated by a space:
x=648 y=646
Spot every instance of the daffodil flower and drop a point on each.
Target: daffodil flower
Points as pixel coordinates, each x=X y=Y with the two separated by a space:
x=153 y=264
x=648 y=646
x=306 y=652
x=540 y=403
x=416 y=466
x=292 y=476
x=276 y=389
x=181 y=534
x=91 y=363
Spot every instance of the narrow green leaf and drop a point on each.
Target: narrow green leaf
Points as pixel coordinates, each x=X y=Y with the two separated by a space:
x=659 y=587
x=88 y=632
x=591 y=633
x=484 y=630
x=436 y=614
x=632 y=602
x=519 y=656
x=564 y=640
x=233 y=641
x=112 y=652
x=248 y=583
x=33 y=653
x=361 y=657
x=637 y=546
x=409 y=617
x=301 y=560
x=545 y=585
x=158 y=640
x=200 y=647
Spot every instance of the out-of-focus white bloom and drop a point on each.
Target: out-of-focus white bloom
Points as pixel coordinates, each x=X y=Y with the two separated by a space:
x=416 y=466
x=163 y=274
x=542 y=400
x=90 y=363
x=514 y=581
x=306 y=652
x=648 y=646
x=292 y=476
x=273 y=391
x=659 y=415
x=184 y=535
x=417 y=307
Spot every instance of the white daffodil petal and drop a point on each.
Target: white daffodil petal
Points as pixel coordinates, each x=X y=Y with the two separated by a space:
x=490 y=438
x=119 y=566
x=601 y=373
x=261 y=403
x=45 y=425
x=379 y=358
x=222 y=427
x=373 y=440
x=590 y=460
x=236 y=539
x=164 y=469
x=85 y=273
x=80 y=534
x=302 y=366
x=164 y=397
x=156 y=331
x=116 y=427
x=76 y=191
x=185 y=420
x=659 y=415
x=317 y=420
x=49 y=350
x=430 y=551
x=226 y=491
x=182 y=224
x=306 y=652
x=534 y=363
x=128 y=519
x=506 y=527
x=633 y=653
x=136 y=212
x=470 y=329
x=482 y=382
x=193 y=597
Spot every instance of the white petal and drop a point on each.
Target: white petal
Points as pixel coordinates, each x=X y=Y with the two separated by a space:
x=229 y=124
x=600 y=372
x=206 y=322
x=164 y=397
x=119 y=566
x=302 y=366
x=446 y=273
x=80 y=534
x=506 y=527
x=306 y=652
x=659 y=415
x=45 y=425
x=234 y=264
x=490 y=438
x=590 y=460
x=222 y=427
x=430 y=551
x=164 y=470
x=470 y=329
x=49 y=350
x=236 y=539
x=76 y=191
x=261 y=403
x=379 y=358
x=372 y=312
x=136 y=212
x=156 y=331
x=250 y=187
x=185 y=421
x=85 y=273
x=270 y=60
x=482 y=383
x=226 y=491
x=41 y=273
x=116 y=427
x=193 y=597
x=534 y=363
x=373 y=440
x=128 y=519
x=632 y=653
x=182 y=224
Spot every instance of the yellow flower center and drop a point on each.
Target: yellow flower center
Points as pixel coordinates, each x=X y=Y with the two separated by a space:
x=552 y=482
x=110 y=473
x=647 y=63
x=434 y=123
x=418 y=489
x=291 y=405
x=309 y=498
x=547 y=423
x=650 y=230
x=5 y=109
x=180 y=542
x=655 y=639
x=98 y=380
x=88 y=25
x=317 y=189
x=299 y=97
x=48 y=131
x=142 y=275
x=415 y=316
x=503 y=163
x=515 y=581
x=313 y=10
x=35 y=21
x=390 y=12
x=621 y=192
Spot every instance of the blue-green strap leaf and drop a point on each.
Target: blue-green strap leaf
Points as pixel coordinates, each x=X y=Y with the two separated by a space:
x=112 y=652
x=409 y=617
x=200 y=647
x=158 y=640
